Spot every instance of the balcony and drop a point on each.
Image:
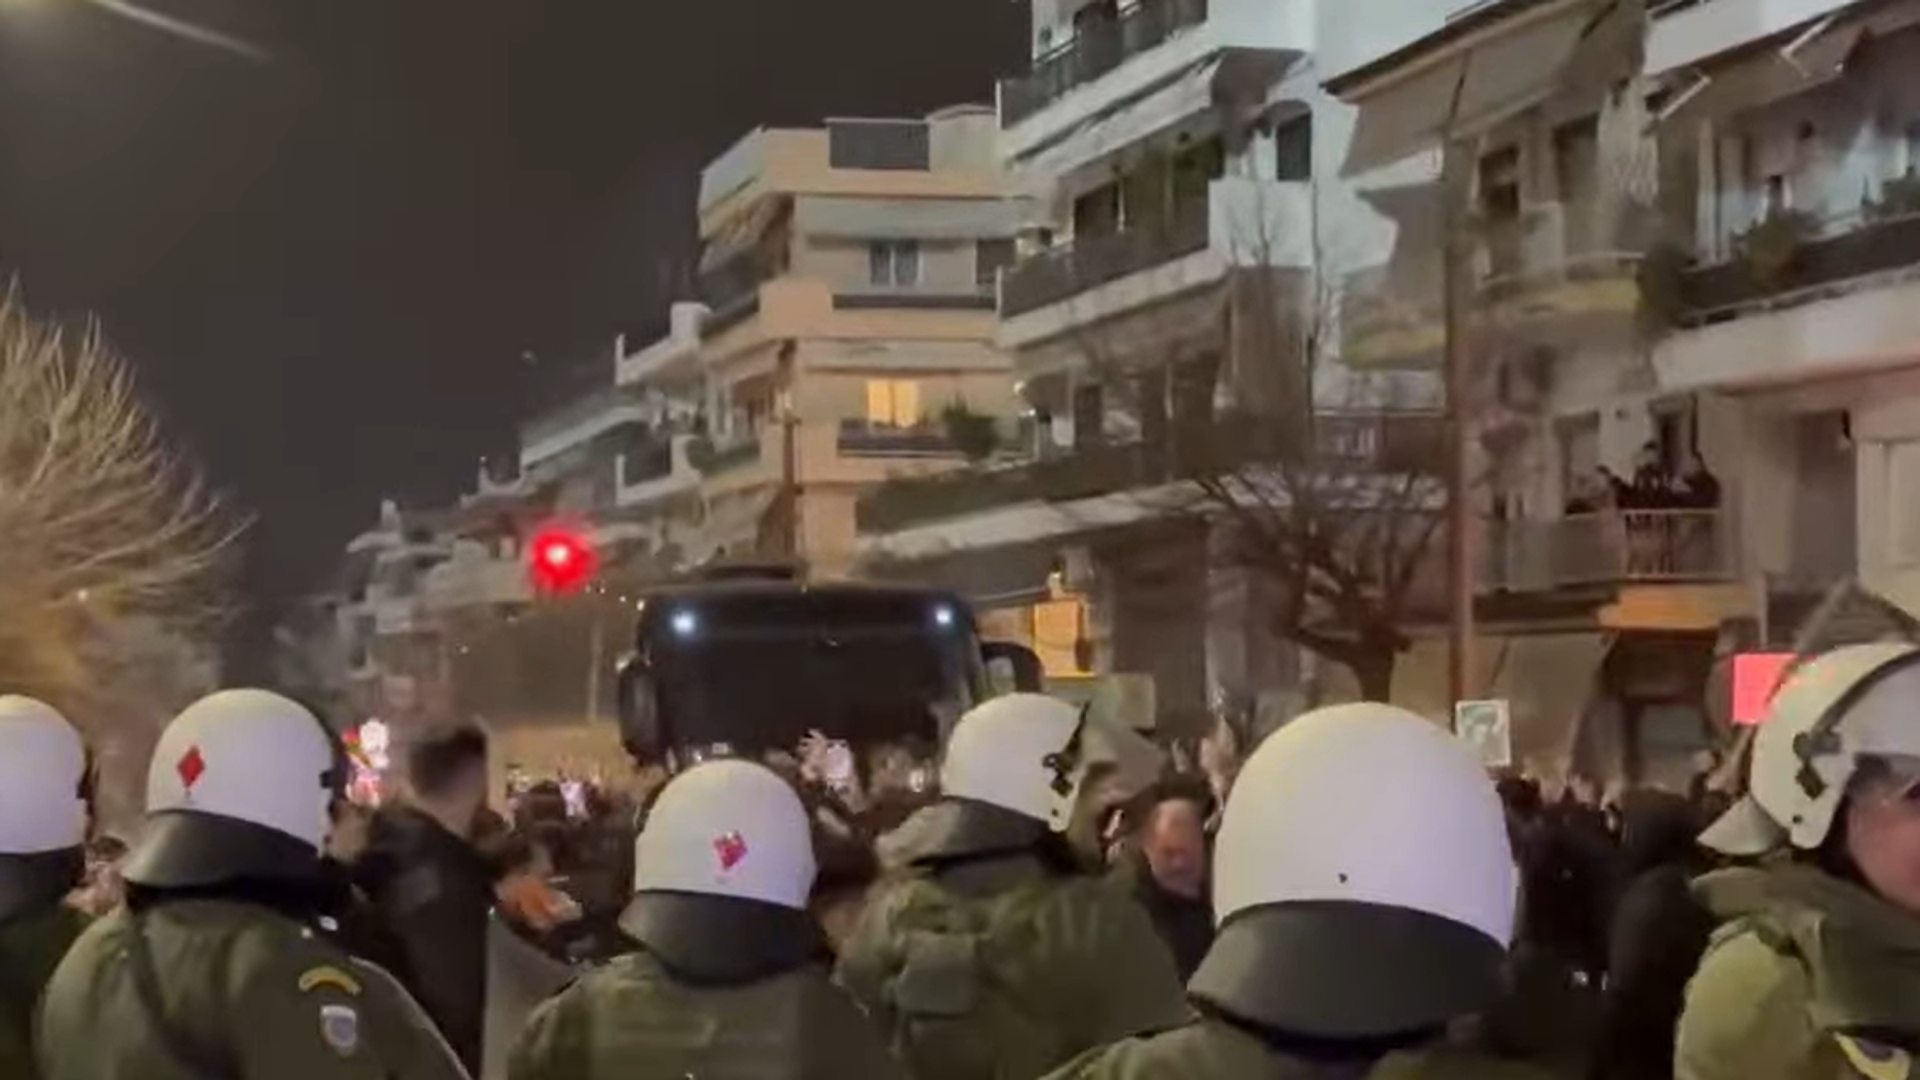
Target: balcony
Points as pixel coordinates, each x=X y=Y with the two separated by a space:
x=1556 y=270
x=1066 y=270
x=1609 y=548
x=875 y=299
x=859 y=438
x=1818 y=268
x=1371 y=444
x=1094 y=51
x=717 y=458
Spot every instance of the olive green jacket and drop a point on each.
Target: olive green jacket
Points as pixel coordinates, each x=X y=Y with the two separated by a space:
x=234 y=992
x=1809 y=978
x=1211 y=1050
x=30 y=948
x=1004 y=971
x=631 y=1020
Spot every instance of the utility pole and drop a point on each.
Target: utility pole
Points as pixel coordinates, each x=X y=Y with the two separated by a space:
x=1454 y=272
x=789 y=456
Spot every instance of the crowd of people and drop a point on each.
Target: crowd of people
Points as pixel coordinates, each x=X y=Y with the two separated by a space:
x=1048 y=896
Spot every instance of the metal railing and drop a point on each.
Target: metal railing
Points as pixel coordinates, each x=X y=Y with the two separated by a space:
x=1349 y=446
x=647 y=459
x=727 y=455
x=1087 y=262
x=1095 y=50
x=1606 y=548
x=861 y=438
x=1873 y=246
x=898 y=145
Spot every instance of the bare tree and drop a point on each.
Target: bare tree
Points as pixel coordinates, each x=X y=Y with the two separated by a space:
x=1327 y=482
x=102 y=527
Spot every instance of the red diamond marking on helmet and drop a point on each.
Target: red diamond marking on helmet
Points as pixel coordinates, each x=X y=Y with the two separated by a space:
x=191 y=767
x=730 y=848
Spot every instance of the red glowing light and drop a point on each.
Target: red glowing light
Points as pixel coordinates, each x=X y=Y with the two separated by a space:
x=563 y=561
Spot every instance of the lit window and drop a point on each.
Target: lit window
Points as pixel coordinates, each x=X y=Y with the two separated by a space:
x=893 y=403
x=894 y=262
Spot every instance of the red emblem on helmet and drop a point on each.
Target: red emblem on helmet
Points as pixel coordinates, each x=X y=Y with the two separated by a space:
x=730 y=848
x=191 y=767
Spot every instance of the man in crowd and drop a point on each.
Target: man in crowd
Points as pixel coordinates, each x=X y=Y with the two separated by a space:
x=432 y=887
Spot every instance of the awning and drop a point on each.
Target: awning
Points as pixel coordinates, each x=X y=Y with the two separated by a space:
x=988 y=578
x=741 y=233
x=1766 y=77
x=1565 y=50
x=1186 y=93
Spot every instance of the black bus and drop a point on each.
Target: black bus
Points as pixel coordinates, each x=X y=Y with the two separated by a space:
x=751 y=662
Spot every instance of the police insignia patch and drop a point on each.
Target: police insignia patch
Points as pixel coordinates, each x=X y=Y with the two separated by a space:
x=329 y=978
x=1875 y=1060
x=340 y=1028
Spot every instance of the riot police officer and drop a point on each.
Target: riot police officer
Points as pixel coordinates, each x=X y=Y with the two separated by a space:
x=730 y=976
x=1365 y=893
x=1815 y=970
x=215 y=968
x=997 y=955
x=45 y=809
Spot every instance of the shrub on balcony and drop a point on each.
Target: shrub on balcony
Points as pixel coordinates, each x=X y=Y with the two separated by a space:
x=700 y=452
x=1661 y=278
x=1772 y=246
x=1899 y=198
x=971 y=433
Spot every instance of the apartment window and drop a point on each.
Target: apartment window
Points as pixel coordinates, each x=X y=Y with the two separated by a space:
x=1293 y=149
x=894 y=262
x=1779 y=197
x=1097 y=213
x=989 y=256
x=893 y=403
x=1500 y=205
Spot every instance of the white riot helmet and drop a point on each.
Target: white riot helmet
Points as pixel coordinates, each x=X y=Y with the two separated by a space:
x=728 y=828
x=1014 y=769
x=1840 y=707
x=723 y=870
x=1364 y=884
x=45 y=779
x=241 y=786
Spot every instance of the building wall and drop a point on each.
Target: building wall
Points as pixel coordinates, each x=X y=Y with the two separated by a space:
x=946 y=267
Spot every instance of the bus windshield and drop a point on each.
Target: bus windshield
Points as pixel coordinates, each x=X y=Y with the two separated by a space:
x=759 y=676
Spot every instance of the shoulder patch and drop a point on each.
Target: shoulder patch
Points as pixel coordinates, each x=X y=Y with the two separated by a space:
x=340 y=1028
x=1875 y=1060
x=326 y=977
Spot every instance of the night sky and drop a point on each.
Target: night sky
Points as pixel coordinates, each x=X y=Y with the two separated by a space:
x=327 y=269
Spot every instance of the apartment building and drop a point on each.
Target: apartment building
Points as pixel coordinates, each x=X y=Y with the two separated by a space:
x=1797 y=133
x=1173 y=155
x=850 y=270
x=1518 y=133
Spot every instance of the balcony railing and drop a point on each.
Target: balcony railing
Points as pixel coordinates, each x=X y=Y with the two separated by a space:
x=1350 y=445
x=1607 y=548
x=712 y=459
x=1095 y=50
x=901 y=145
x=858 y=438
x=1875 y=246
x=645 y=460
x=1067 y=270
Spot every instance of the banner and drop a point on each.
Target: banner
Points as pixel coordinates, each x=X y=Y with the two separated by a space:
x=1487 y=727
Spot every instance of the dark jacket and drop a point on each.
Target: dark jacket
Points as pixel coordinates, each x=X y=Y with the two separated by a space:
x=1657 y=935
x=433 y=891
